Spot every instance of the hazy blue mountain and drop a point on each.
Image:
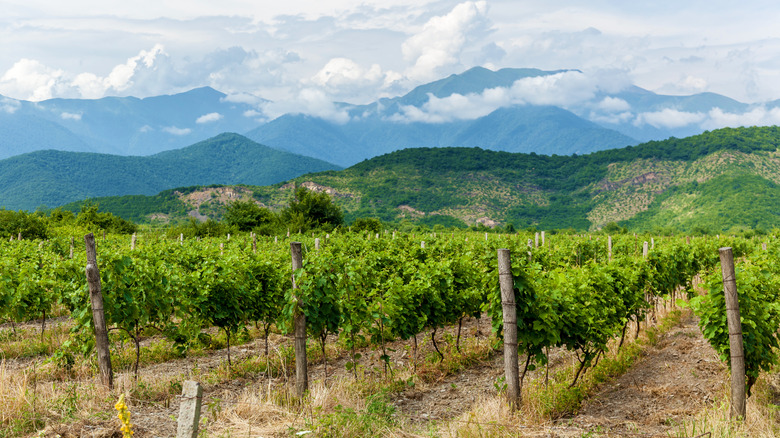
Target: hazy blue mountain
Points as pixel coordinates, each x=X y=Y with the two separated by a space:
x=53 y=178
x=545 y=130
x=126 y=125
x=20 y=133
x=132 y=126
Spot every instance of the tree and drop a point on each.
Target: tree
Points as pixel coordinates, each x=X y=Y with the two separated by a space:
x=247 y=215
x=371 y=224
x=308 y=210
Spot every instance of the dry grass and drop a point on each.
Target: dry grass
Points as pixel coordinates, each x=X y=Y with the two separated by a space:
x=762 y=420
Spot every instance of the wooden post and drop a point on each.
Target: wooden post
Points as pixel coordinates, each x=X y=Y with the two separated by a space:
x=301 y=370
x=189 y=409
x=71 y=246
x=254 y=242
x=96 y=298
x=317 y=244
x=536 y=240
x=763 y=246
x=19 y=236
x=486 y=237
x=609 y=248
x=221 y=248
x=511 y=369
x=422 y=244
x=644 y=250
x=652 y=243
x=132 y=242
x=735 y=334
x=228 y=239
x=276 y=239
x=542 y=238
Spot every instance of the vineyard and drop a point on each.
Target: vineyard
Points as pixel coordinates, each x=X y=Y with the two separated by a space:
x=387 y=317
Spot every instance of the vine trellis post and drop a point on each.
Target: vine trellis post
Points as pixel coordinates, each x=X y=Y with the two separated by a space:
x=98 y=317
x=299 y=321
x=511 y=368
x=737 y=410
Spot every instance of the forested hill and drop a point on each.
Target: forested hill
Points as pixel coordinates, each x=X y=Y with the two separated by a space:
x=53 y=178
x=719 y=180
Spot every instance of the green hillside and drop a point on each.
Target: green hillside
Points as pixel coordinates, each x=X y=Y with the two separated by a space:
x=53 y=178
x=720 y=180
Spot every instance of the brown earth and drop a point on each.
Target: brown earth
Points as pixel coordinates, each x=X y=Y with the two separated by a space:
x=671 y=382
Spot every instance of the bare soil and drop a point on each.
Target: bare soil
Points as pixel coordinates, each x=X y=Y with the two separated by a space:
x=670 y=383
x=674 y=380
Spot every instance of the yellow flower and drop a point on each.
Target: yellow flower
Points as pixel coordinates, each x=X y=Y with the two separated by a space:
x=124 y=417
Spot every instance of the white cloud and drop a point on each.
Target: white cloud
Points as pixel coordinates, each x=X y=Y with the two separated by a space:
x=669 y=118
x=564 y=89
x=8 y=105
x=144 y=129
x=443 y=38
x=177 y=131
x=245 y=98
x=70 y=116
x=760 y=116
x=31 y=80
x=122 y=76
x=208 y=118
x=613 y=105
x=309 y=101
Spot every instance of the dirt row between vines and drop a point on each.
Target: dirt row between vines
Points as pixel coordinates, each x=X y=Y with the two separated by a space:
x=672 y=382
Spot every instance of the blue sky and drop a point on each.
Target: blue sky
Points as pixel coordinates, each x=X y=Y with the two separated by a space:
x=305 y=54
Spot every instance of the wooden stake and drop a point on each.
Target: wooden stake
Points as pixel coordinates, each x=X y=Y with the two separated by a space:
x=511 y=369
x=737 y=410
x=609 y=248
x=96 y=298
x=254 y=242
x=301 y=366
x=132 y=242
x=317 y=244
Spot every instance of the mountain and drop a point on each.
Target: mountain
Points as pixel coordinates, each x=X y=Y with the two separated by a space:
x=121 y=125
x=545 y=130
x=512 y=109
x=53 y=178
x=718 y=181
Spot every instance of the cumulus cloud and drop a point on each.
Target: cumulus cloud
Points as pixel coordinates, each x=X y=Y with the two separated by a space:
x=121 y=77
x=208 y=118
x=31 y=80
x=70 y=116
x=311 y=101
x=669 y=118
x=443 y=38
x=613 y=105
x=563 y=89
x=177 y=131
x=759 y=116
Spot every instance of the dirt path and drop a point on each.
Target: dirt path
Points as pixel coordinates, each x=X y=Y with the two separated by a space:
x=673 y=381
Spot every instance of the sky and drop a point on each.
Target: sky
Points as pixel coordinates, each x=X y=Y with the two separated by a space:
x=305 y=54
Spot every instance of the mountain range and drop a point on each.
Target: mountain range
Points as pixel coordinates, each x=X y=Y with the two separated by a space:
x=512 y=110
x=52 y=178
x=719 y=181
